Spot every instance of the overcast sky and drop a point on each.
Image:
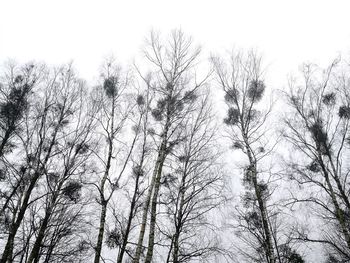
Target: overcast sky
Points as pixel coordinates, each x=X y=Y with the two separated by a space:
x=286 y=32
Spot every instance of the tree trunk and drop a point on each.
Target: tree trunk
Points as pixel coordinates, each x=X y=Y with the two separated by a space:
x=270 y=257
x=101 y=232
x=337 y=180
x=103 y=200
x=170 y=250
x=131 y=214
x=157 y=185
x=338 y=212
x=158 y=172
x=13 y=229
x=144 y=216
x=268 y=247
x=34 y=254
x=178 y=223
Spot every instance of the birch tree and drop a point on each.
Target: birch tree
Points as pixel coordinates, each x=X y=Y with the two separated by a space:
x=193 y=189
x=45 y=130
x=174 y=85
x=113 y=98
x=63 y=186
x=317 y=128
x=242 y=80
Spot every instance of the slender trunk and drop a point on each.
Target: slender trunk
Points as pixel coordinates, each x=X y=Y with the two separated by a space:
x=276 y=246
x=101 y=232
x=13 y=192
x=23 y=208
x=7 y=254
x=103 y=200
x=177 y=234
x=146 y=205
x=34 y=254
x=159 y=169
x=262 y=207
x=337 y=180
x=176 y=248
x=154 y=202
x=49 y=251
x=131 y=215
x=14 y=227
x=178 y=222
x=170 y=250
x=12 y=223
x=338 y=212
x=342 y=192
x=268 y=247
x=103 y=213
x=151 y=235
x=133 y=200
x=25 y=249
x=339 y=215
x=144 y=216
x=158 y=164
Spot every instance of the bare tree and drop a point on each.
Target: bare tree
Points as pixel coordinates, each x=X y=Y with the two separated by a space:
x=174 y=85
x=241 y=79
x=115 y=113
x=45 y=131
x=193 y=189
x=143 y=101
x=16 y=89
x=318 y=130
x=65 y=183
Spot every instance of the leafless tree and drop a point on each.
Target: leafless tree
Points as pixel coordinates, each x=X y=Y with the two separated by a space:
x=174 y=85
x=16 y=89
x=62 y=184
x=141 y=156
x=45 y=131
x=113 y=97
x=241 y=79
x=318 y=130
x=193 y=189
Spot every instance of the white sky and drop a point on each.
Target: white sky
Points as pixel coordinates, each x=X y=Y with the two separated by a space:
x=286 y=32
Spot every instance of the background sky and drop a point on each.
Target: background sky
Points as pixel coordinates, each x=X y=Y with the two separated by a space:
x=85 y=31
